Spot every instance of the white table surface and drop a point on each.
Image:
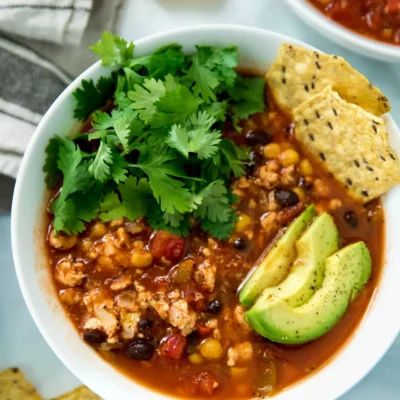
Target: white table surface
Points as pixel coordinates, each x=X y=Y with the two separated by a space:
x=20 y=342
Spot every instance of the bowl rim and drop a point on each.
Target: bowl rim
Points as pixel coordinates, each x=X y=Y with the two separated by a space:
x=317 y=20
x=305 y=386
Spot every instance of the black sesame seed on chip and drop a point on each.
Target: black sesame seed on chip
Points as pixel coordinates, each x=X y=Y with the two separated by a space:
x=306 y=88
x=374 y=128
x=330 y=125
x=357 y=164
x=334 y=111
x=284 y=81
x=317 y=65
x=391 y=155
x=349 y=181
x=305 y=122
x=322 y=155
x=364 y=193
x=311 y=136
x=317 y=114
x=383 y=158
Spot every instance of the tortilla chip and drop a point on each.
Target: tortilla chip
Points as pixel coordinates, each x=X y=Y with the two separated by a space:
x=80 y=393
x=298 y=74
x=14 y=386
x=351 y=143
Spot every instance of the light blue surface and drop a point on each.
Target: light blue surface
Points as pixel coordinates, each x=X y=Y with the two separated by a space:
x=21 y=343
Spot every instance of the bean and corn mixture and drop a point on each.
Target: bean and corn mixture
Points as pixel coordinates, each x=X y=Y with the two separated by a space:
x=157 y=305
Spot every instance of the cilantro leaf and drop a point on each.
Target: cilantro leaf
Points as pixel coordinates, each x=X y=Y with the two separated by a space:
x=175 y=106
x=232 y=159
x=75 y=171
x=177 y=223
x=166 y=60
x=70 y=215
x=170 y=193
x=195 y=137
x=100 y=168
x=92 y=96
x=135 y=199
x=212 y=67
x=53 y=173
x=144 y=98
x=218 y=230
x=247 y=97
x=215 y=205
x=118 y=168
x=222 y=60
x=113 y=50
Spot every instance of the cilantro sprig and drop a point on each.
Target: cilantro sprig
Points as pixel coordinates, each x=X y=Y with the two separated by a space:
x=155 y=148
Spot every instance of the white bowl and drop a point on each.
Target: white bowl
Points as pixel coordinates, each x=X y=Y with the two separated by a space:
x=257 y=48
x=344 y=36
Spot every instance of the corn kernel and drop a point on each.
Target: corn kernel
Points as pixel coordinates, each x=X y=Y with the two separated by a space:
x=98 y=230
x=211 y=349
x=86 y=245
x=196 y=358
x=243 y=223
x=289 y=157
x=306 y=167
x=141 y=259
x=272 y=150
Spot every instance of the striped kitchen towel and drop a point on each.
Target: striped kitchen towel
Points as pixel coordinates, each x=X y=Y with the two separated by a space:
x=36 y=36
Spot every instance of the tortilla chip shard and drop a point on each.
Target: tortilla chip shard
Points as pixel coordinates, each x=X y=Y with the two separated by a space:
x=298 y=74
x=13 y=385
x=80 y=393
x=351 y=143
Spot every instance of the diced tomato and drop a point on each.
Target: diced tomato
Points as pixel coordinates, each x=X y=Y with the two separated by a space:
x=168 y=245
x=192 y=295
x=173 y=346
x=204 y=330
x=393 y=7
x=207 y=383
x=161 y=281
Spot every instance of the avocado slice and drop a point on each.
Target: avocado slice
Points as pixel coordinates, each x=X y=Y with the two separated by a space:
x=346 y=272
x=274 y=265
x=318 y=242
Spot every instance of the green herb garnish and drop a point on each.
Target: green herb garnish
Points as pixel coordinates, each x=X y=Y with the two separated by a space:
x=159 y=152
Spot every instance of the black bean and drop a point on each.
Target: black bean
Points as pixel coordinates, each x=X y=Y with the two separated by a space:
x=145 y=325
x=192 y=338
x=285 y=197
x=351 y=218
x=140 y=349
x=214 y=307
x=256 y=158
x=258 y=136
x=94 y=336
x=240 y=244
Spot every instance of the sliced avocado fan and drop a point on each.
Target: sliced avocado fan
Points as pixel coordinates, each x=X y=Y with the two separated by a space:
x=275 y=264
x=318 y=242
x=346 y=272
